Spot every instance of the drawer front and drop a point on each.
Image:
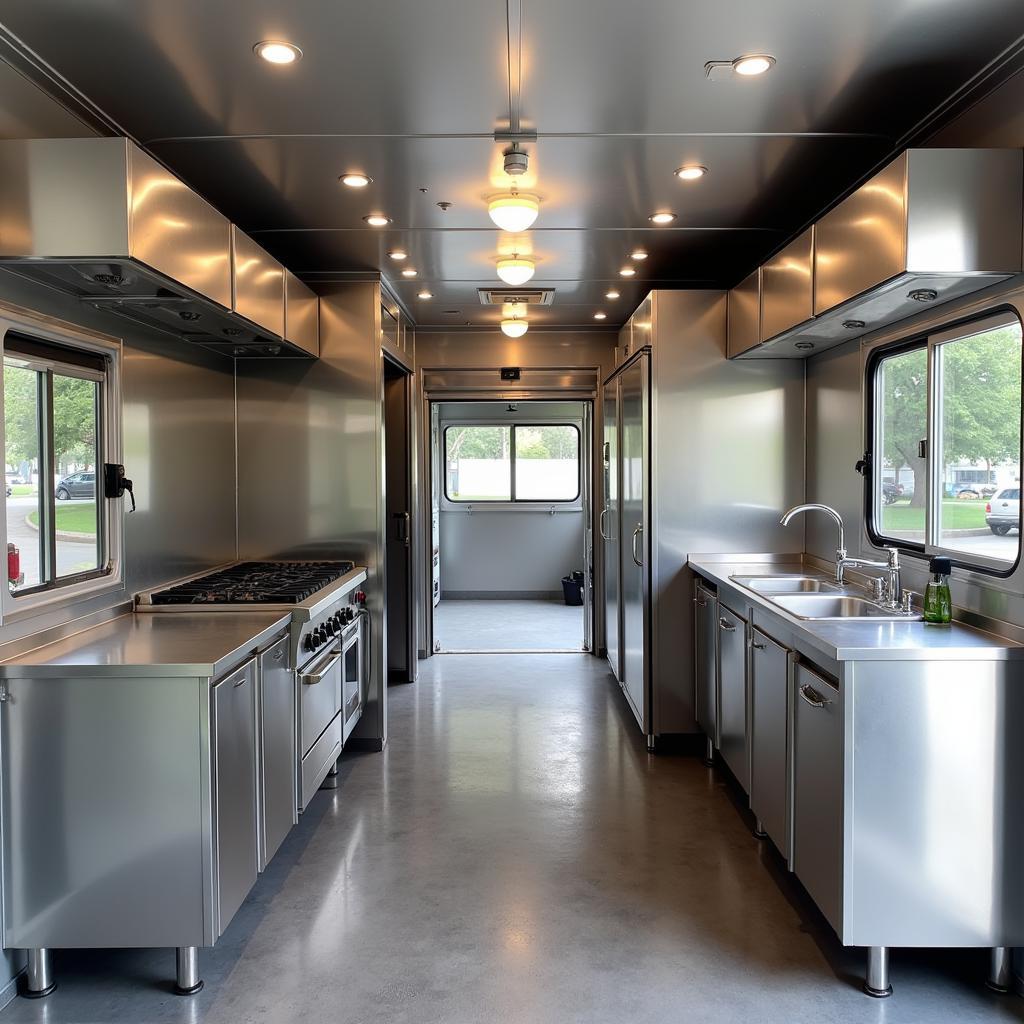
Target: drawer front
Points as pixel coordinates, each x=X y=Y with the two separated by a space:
x=320 y=759
x=320 y=695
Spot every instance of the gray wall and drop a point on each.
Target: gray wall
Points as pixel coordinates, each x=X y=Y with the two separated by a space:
x=514 y=551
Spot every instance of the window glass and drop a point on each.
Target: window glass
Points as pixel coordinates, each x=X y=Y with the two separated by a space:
x=547 y=463
x=21 y=441
x=478 y=463
x=75 y=444
x=978 y=386
x=901 y=423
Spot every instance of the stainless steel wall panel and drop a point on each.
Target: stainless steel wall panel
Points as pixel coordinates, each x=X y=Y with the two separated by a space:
x=257 y=283
x=175 y=231
x=745 y=314
x=301 y=315
x=787 y=287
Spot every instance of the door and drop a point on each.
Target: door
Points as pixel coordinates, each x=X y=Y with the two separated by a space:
x=234 y=753
x=400 y=621
x=611 y=513
x=587 y=496
x=705 y=634
x=278 y=762
x=634 y=414
x=769 y=761
x=732 y=693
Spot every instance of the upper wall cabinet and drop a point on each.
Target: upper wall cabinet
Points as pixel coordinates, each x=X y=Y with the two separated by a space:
x=257 y=283
x=932 y=226
x=745 y=314
x=301 y=315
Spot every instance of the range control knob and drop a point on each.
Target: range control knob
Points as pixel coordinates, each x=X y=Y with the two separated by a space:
x=310 y=642
x=330 y=627
x=338 y=619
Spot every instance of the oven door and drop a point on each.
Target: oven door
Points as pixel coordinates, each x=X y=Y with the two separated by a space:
x=319 y=694
x=352 y=689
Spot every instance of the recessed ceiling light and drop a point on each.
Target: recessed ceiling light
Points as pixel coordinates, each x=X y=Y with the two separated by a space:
x=425 y=294
x=377 y=220
x=662 y=218
x=355 y=179
x=638 y=254
x=613 y=294
x=514 y=328
x=516 y=270
x=276 y=51
x=600 y=316
x=627 y=271
x=753 y=64
x=398 y=254
x=514 y=211
x=409 y=272
x=690 y=172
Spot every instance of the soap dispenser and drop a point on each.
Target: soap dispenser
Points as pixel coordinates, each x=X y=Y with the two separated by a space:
x=938 y=606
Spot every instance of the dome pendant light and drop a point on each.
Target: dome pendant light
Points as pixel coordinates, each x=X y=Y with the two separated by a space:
x=516 y=270
x=514 y=211
x=514 y=328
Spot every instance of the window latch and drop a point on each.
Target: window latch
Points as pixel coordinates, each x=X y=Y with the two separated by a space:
x=115 y=483
x=863 y=466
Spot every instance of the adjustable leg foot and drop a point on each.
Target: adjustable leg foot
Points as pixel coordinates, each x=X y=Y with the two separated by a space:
x=39 y=976
x=876 y=981
x=650 y=744
x=759 y=832
x=709 y=752
x=188 y=982
x=999 y=969
x=331 y=781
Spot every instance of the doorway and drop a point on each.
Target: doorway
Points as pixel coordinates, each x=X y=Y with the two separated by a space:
x=511 y=500
x=400 y=639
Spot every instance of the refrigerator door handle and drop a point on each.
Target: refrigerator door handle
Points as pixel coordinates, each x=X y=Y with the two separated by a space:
x=639 y=529
x=600 y=524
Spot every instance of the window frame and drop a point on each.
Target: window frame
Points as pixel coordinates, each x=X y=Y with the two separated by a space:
x=513 y=501
x=109 y=576
x=931 y=342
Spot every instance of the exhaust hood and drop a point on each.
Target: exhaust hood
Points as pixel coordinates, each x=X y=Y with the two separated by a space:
x=101 y=220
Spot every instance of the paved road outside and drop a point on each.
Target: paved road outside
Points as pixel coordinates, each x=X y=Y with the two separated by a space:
x=72 y=556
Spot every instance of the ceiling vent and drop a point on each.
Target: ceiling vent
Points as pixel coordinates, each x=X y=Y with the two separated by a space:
x=526 y=296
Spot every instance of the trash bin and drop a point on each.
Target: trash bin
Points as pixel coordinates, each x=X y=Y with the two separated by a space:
x=572 y=588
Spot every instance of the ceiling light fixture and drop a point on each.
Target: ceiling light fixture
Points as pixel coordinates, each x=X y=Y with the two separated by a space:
x=377 y=220
x=398 y=254
x=516 y=270
x=638 y=254
x=355 y=179
x=753 y=64
x=690 y=172
x=276 y=51
x=613 y=294
x=663 y=217
x=514 y=211
x=425 y=294
x=514 y=328
x=600 y=316
x=627 y=271
x=409 y=272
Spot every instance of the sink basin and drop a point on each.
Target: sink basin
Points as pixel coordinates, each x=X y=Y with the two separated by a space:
x=835 y=606
x=787 y=584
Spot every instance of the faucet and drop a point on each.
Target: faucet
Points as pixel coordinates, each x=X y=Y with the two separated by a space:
x=892 y=591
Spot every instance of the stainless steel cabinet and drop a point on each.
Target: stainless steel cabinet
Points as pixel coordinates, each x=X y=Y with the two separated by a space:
x=706 y=664
x=769 y=730
x=744 y=326
x=610 y=526
x=818 y=791
x=732 y=693
x=233 y=731
x=277 y=760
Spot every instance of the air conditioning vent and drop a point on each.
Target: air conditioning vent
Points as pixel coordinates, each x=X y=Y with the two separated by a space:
x=526 y=296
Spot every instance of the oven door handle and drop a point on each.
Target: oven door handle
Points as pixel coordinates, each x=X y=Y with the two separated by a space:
x=322 y=670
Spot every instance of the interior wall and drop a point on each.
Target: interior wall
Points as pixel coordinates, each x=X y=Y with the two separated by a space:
x=509 y=552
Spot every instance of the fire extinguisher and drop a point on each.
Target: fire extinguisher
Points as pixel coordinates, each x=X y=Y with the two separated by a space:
x=13 y=564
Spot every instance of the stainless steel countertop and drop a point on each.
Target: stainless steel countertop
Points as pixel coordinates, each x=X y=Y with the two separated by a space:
x=856 y=639
x=201 y=644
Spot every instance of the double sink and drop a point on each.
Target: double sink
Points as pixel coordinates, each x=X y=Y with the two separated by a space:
x=813 y=597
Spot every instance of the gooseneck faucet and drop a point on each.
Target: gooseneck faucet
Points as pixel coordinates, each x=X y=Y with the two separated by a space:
x=828 y=510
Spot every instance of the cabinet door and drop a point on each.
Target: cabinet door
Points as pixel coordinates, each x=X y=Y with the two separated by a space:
x=610 y=525
x=278 y=763
x=769 y=774
x=732 y=690
x=234 y=774
x=818 y=791
x=706 y=667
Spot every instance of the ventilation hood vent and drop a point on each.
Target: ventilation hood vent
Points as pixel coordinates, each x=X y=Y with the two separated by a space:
x=527 y=296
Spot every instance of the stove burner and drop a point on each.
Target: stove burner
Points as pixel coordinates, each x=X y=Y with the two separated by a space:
x=256 y=583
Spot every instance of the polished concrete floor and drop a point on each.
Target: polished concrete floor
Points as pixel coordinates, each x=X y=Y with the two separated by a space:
x=520 y=625
x=517 y=857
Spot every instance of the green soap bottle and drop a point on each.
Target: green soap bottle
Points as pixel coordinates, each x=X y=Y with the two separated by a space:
x=938 y=606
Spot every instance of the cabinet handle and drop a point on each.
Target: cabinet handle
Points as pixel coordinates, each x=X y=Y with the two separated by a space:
x=726 y=625
x=638 y=530
x=756 y=646
x=699 y=600
x=309 y=678
x=600 y=524
x=811 y=695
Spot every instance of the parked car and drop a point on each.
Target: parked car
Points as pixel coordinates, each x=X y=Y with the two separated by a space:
x=965 y=492
x=1002 y=513
x=77 y=485
x=891 y=492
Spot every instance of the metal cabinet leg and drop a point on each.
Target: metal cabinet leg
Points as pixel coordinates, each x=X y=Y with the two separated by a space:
x=876 y=982
x=188 y=981
x=999 y=969
x=759 y=832
x=709 y=753
x=39 y=976
x=331 y=781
